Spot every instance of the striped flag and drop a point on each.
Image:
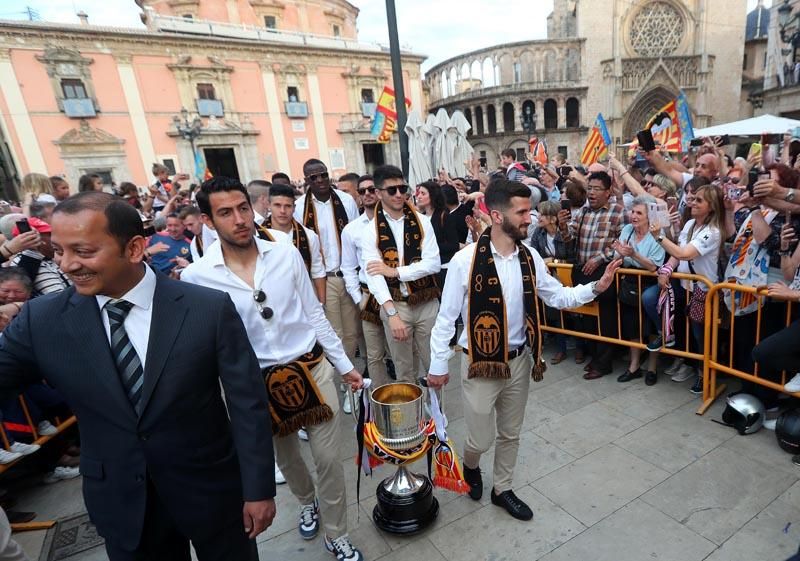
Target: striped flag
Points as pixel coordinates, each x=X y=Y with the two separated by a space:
x=598 y=142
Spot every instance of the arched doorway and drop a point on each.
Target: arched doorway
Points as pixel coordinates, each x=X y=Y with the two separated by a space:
x=644 y=109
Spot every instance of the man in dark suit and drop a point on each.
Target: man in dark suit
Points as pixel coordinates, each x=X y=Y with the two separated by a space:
x=139 y=358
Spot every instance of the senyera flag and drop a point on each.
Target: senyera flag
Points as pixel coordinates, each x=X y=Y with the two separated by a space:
x=598 y=142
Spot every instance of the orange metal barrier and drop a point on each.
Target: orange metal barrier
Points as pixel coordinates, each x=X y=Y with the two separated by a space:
x=563 y=271
x=713 y=363
x=39 y=439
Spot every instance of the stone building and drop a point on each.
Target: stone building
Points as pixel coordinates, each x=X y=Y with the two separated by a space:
x=780 y=94
x=624 y=58
x=754 y=63
x=271 y=82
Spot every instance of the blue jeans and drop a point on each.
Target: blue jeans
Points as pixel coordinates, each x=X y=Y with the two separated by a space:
x=650 y=304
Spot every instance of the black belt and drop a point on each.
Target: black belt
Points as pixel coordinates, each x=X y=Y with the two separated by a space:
x=512 y=354
x=336 y=274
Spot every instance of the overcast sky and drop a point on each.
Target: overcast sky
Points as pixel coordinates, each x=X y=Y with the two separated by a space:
x=439 y=29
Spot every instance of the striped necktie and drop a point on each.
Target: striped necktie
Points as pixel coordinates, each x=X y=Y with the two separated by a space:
x=129 y=367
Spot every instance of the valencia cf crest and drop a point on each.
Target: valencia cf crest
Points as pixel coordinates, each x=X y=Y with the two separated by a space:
x=486 y=333
x=287 y=389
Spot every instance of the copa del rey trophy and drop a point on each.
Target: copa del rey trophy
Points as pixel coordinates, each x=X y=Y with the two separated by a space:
x=395 y=431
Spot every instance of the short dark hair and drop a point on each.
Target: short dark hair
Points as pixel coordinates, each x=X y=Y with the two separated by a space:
x=56 y=180
x=127 y=187
x=188 y=211
x=382 y=173
x=311 y=162
x=450 y=195
x=500 y=192
x=260 y=183
x=86 y=182
x=365 y=177
x=218 y=184
x=280 y=175
x=650 y=171
x=281 y=190
x=601 y=176
x=123 y=222
x=349 y=177
x=509 y=153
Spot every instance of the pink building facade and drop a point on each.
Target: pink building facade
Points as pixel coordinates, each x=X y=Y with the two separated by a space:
x=269 y=84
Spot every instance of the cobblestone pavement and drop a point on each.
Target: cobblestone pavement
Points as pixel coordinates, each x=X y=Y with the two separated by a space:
x=617 y=472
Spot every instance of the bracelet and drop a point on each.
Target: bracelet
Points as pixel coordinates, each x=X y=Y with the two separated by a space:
x=18 y=305
x=784 y=253
x=623 y=173
x=3 y=250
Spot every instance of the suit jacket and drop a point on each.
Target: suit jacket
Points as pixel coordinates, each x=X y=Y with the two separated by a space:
x=202 y=463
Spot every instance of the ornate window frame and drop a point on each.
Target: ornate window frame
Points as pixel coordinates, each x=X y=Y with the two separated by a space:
x=264 y=8
x=182 y=8
x=683 y=43
x=62 y=63
x=188 y=74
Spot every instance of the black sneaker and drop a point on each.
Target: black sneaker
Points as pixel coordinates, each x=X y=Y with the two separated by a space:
x=343 y=549
x=655 y=344
x=650 y=378
x=697 y=387
x=513 y=505
x=475 y=482
x=390 y=371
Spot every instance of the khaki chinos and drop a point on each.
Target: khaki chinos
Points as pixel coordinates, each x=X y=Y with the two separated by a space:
x=407 y=355
x=326 y=446
x=343 y=314
x=493 y=411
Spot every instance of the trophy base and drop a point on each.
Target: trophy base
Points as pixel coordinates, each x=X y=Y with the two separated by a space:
x=405 y=514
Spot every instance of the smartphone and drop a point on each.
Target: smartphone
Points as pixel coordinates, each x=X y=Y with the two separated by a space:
x=566 y=204
x=734 y=193
x=722 y=140
x=752 y=177
x=646 y=142
x=564 y=171
x=697 y=141
x=672 y=202
x=23 y=226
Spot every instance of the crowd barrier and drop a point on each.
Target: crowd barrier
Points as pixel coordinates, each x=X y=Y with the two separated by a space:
x=714 y=329
x=30 y=426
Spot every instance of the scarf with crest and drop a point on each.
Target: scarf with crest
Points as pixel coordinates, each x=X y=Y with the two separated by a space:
x=299 y=238
x=487 y=315
x=420 y=290
x=339 y=215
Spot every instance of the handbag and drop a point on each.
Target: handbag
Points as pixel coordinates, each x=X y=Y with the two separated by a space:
x=629 y=286
x=697 y=301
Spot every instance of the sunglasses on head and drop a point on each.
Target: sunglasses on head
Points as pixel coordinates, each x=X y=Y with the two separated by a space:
x=314 y=177
x=395 y=188
x=260 y=297
x=370 y=190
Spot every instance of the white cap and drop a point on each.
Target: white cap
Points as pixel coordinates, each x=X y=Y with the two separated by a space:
x=46 y=198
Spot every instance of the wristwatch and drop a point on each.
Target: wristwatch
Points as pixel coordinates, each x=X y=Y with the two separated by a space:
x=660 y=238
x=789 y=196
x=594 y=289
x=391 y=313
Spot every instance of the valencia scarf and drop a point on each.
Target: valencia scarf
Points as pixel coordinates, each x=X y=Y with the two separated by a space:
x=420 y=290
x=488 y=324
x=299 y=238
x=339 y=215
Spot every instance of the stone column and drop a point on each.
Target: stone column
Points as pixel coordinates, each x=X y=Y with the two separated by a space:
x=562 y=112
x=485 y=111
x=498 y=116
x=518 y=115
x=539 y=103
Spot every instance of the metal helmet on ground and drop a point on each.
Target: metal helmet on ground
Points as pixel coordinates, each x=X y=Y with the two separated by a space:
x=787 y=431
x=744 y=412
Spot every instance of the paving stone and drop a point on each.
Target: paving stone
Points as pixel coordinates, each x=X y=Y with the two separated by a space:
x=634 y=533
x=490 y=533
x=419 y=550
x=573 y=392
x=763 y=446
x=537 y=457
x=588 y=429
x=596 y=485
x=719 y=493
x=675 y=440
x=647 y=403
x=773 y=535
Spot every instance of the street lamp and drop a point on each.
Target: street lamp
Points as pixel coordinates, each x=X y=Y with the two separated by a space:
x=528 y=119
x=789 y=27
x=189 y=131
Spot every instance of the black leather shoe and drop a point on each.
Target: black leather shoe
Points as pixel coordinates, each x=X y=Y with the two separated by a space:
x=513 y=505
x=650 y=378
x=627 y=376
x=475 y=482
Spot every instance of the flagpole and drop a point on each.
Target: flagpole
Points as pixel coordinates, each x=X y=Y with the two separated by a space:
x=399 y=90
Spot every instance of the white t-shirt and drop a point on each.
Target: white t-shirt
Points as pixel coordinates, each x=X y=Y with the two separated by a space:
x=706 y=239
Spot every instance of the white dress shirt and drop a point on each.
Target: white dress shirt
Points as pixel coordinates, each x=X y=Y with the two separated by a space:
x=429 y=264
x=456 y=292
x=298 y=319
x=317 y=264
x=137 y=322
x=354 y=268
x=327 y=226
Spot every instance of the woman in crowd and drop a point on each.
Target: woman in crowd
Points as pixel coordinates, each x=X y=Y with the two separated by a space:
x=697 y=252
x=130 y=193
x=90 y=182
x=639 y=249
x=430 y=201
x=546 y=240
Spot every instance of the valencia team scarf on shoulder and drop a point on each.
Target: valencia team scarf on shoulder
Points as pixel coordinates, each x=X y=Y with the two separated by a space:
x=339 y=215
x=294 y=398
x=299 y=239
x=488 y=323
x=420 y=290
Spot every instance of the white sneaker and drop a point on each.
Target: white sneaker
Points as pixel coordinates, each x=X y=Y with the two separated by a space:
x=346 y=406
x=302 y=435
x=674 y=367
x=683 y=373
x=24 y=449
x=279 y=478
x=7 y=457
x=46 y=429
x=61 y=473
x=793 y=385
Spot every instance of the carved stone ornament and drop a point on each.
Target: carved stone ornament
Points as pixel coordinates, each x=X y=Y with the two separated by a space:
x=657 y=30
x=87 y=139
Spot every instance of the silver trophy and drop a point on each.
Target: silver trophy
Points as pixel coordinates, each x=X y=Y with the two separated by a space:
x=405 y=501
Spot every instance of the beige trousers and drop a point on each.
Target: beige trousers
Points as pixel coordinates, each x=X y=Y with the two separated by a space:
x=375 y=340
x=325 y=447
x=343 y=315
x=494 y=411
x=408 y=355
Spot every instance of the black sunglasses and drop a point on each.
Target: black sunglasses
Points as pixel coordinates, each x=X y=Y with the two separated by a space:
x=394 y=189
x=314 y=177
x=259 y=296
x=370 y=190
